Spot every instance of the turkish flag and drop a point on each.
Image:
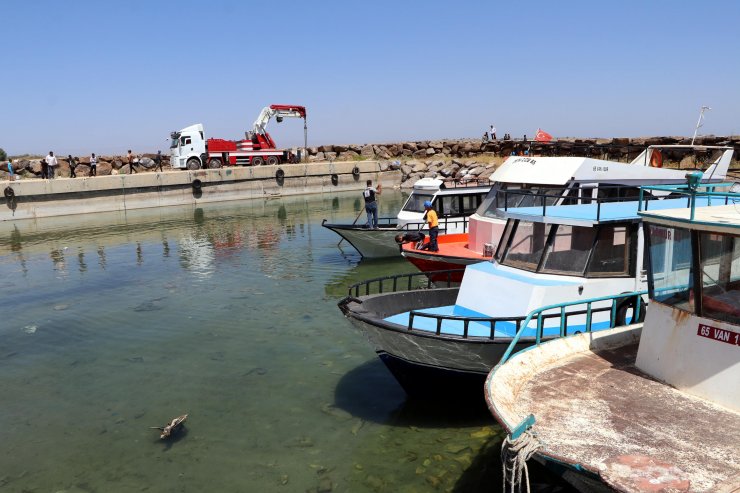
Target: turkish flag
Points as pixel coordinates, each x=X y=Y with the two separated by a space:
x=542 y=136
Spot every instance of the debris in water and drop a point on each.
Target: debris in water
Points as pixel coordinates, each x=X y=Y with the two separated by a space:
x=173 y=427
x=60 y=307
x=30 y=329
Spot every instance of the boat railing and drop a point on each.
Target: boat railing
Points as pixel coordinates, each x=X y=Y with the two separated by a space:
x=545 y=198
x=404 y=282
x=692 y=192
x=540 y=316
x=444 y=224
x=472 y=182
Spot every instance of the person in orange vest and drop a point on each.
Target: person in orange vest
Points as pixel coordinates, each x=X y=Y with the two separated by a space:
x=431 y=218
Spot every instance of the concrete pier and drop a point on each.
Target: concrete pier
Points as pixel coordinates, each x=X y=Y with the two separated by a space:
x=28 y=199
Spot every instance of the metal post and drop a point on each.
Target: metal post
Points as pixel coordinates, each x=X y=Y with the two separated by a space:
x=698 y=123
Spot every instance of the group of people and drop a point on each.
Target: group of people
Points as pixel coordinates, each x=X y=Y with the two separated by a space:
x=430 y=217
x=49 y=163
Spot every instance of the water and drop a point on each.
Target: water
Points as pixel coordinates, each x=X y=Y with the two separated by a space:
x=115 y=323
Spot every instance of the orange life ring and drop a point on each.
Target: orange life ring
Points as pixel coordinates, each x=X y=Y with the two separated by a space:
x=656 y=159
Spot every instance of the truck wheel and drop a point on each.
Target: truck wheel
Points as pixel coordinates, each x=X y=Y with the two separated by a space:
x=258 y=161
x=214 y=163
x=193 y=163
x=272 y=160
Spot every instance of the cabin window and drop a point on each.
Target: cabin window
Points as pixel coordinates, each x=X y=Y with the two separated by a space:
x=612 y=252
x=526 y=246
x=185 y=140
x=415 y=203
x=720 y=275
x=449 y=205
x=504 y=239
x=568 y=250
x=670 y=259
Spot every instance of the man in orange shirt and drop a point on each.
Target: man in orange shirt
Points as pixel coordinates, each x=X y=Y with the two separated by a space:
x=433 y=222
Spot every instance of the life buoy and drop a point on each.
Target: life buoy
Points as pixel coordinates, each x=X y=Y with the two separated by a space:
x=9 y=192
x=656 y=159
x=197 y=184
x=280 y=174
x=356 y=171
x=620 y=317
x=334 y=179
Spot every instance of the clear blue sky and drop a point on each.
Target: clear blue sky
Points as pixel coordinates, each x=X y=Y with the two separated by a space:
x=97 y=76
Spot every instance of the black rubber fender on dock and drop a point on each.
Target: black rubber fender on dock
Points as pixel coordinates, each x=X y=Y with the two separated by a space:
x=197 y=184
x=280 y=174
x=9 y=192
x=356 y=171
x=335 y=179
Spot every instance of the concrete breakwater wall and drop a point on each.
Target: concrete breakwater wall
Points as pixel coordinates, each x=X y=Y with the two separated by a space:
x=28 y=199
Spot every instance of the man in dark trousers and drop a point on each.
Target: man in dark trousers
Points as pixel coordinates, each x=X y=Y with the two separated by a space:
x=371 y=205
x=72 y=166
x=430 y=216
x=158 y=160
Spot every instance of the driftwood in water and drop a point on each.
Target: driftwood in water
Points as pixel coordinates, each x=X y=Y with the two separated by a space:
x=172 y=427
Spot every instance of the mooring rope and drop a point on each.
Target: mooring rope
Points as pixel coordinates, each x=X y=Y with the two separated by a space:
x=514 y=457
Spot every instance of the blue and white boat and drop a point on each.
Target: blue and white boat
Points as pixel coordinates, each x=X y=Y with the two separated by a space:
x=650 y=407
x=452 y=337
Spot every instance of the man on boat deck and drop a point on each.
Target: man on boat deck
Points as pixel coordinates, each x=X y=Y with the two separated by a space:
x=431 y=219
x=371 y=206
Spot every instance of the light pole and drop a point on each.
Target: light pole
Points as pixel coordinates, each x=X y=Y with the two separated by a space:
x=699 y=122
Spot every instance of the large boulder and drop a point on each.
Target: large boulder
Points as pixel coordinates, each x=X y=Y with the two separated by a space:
x=406 y=170
x=367 y=151
x=411 y=146
x=104 y=168
x=348 y=156
x=430 y=151
x=419 y=168
x=436 y=144
x=147 y=163
x=411 y=180
x=330 y=156
x=35 y=167
x=422 y=153
x=328 y=148
x=116 y=163
x=340 y=149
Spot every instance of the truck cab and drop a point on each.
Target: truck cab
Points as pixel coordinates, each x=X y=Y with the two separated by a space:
x=188 y=147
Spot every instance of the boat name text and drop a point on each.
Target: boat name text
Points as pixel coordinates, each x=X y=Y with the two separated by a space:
x=722 y=335
x=525 y=160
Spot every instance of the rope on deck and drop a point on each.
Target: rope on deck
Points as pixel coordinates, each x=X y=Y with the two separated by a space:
x=514 y=457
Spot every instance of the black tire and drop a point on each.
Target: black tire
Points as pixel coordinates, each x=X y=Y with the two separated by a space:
x=193 y=163
x=356 y=171
x=197 y=184
x=280 y=174
x=214 y=163
x=335 y=179
x=258 y=161
x=272 y=161
x=9 y=192
x=623 y=307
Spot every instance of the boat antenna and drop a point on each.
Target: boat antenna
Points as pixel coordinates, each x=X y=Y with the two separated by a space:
x=699 y=122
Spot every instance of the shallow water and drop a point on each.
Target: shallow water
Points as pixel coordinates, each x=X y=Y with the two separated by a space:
x=115 y=323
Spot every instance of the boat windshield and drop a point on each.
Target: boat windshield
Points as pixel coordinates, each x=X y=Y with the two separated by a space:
x=415 y=203
x=602 y=251
x=507 y=195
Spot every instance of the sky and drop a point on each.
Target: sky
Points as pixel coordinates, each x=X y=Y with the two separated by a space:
x=97 y=76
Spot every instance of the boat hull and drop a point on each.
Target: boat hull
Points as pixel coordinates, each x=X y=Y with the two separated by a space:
x=425 y=364
x=453 y=254
x=370 y=243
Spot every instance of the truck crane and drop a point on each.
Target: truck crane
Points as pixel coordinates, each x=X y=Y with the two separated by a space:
x=189 y=148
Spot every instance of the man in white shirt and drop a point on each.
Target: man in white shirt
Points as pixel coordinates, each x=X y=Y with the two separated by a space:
x=51 y=163
x=493 y=132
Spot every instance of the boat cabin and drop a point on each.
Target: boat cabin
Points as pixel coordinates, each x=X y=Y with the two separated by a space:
x=691 y=337
x=451 y=200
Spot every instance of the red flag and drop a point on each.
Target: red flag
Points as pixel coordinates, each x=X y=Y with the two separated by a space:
x=542 y=136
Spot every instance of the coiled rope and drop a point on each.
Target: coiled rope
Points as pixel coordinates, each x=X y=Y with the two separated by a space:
x=514 y=457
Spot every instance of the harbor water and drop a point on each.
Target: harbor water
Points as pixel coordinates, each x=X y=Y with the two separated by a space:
x=118 y=322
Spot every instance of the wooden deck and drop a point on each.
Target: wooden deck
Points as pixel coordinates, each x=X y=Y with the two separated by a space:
x=598 y=410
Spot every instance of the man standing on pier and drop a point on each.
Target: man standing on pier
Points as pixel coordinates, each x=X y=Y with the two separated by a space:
x=158 y=160
x=50 y=161
x=130 y=158
x=371 y=205
x=72 y=166
x=93 y=165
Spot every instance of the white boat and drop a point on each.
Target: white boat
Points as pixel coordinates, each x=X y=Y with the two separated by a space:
x=446 y=340
x=643 y=408
x=453 y=201
x=549 y=181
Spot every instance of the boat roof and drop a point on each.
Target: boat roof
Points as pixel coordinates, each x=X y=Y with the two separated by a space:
x=596 y=213
x=724 y=216
x=538 y=170
x=441 y=187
